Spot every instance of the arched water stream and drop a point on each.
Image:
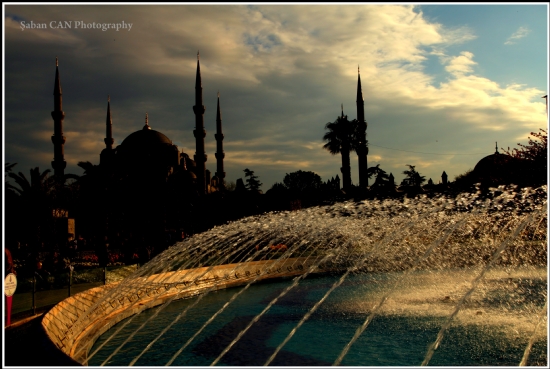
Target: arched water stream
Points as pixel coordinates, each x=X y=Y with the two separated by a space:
x=427 y=281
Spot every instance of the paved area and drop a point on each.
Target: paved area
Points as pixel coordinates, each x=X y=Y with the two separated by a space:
x=25 y=341
x=26 y=345
x=23 y=301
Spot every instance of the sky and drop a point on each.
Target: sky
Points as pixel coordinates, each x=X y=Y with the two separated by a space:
x=441 y=83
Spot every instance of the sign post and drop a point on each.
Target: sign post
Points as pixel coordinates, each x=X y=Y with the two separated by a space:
x=10 y=285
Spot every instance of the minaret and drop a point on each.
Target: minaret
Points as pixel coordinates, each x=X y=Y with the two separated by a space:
x=106 y=155
x=346 y=167
x=362 y=149
x=219 y=146
x=199 y=133
x=58 y=163
x=109 y=127
x=444 y=178
x=359 y=100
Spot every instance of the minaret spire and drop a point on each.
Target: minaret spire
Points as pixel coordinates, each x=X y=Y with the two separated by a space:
x=199 y=132
x=360 y=102
x=58 y=140
x=106 y=157
x=109 y=127
x=220 y=155
x=146 y=126
x=362 y=149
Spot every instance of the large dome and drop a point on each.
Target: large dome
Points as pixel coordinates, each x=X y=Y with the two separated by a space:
x=494 y=163
x=145 y=138
x=147 y=147
x=502 y=169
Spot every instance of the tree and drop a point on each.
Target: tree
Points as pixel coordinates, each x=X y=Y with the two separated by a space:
x=301 y=182
x=230 y=186
x=381 y=175
x=278 y=187
x=7 y=170
x=40 y=183
x=252 y=181
x=413 y=177
x=535 y=150
x=338 y=141
x=34 y=203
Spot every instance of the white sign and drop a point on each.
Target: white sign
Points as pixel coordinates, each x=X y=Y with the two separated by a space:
x=10 y=284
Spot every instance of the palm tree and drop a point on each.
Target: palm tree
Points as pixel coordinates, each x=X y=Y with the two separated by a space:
x=40 y=183
x=7 y=170
x=34 y=203
x=338 y=141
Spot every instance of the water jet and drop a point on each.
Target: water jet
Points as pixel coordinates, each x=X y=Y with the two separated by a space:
x=458 y=280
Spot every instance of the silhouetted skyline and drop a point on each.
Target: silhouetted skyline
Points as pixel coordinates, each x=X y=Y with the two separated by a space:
x=448 y=79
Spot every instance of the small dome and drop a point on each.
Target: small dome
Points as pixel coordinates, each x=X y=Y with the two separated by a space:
x=189 y=175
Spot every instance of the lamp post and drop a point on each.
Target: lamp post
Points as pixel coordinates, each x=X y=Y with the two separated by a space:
x=71 y=268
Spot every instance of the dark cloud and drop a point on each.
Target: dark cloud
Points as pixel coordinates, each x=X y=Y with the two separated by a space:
x=282 y=73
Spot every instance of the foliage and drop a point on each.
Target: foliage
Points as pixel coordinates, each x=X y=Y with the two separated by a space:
x=464 y=176
x=278 y=187
x=535 y=150
x=302 y=182
x=7 y=170
x=382 y=180
x=230 y=186
x=339 y=141
x=40 y=183
x=413 y=177
x=380 y=173
x=252 y=181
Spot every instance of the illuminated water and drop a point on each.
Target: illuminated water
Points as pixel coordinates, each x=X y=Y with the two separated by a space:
x=443 y=281
x=399 y=336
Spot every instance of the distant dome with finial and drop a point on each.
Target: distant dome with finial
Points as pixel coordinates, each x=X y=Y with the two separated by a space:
x=145 y=139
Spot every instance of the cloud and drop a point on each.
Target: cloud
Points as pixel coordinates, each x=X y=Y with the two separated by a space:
x=461 y=65
x=520 y=33
x=282 y=72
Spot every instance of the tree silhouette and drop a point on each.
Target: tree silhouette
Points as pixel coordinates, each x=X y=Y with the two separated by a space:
x=301 y=182
x=34 y=204
x=252 y=181
x=40 y=183
x=413 y=177
x=380 y=175
x=7 y=170
x=338 y=141
x=534 y=150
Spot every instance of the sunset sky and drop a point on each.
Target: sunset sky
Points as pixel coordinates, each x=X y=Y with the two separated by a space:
x=441 y=83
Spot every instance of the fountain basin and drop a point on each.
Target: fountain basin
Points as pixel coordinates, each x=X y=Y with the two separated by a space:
x=452 y=246
x=98 y=316
x=489 y=330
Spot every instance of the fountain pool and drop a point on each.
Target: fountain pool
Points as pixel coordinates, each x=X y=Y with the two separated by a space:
x=444 y=281
x=485 y=333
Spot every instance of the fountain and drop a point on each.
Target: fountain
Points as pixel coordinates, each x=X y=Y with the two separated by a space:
x=427 y=281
